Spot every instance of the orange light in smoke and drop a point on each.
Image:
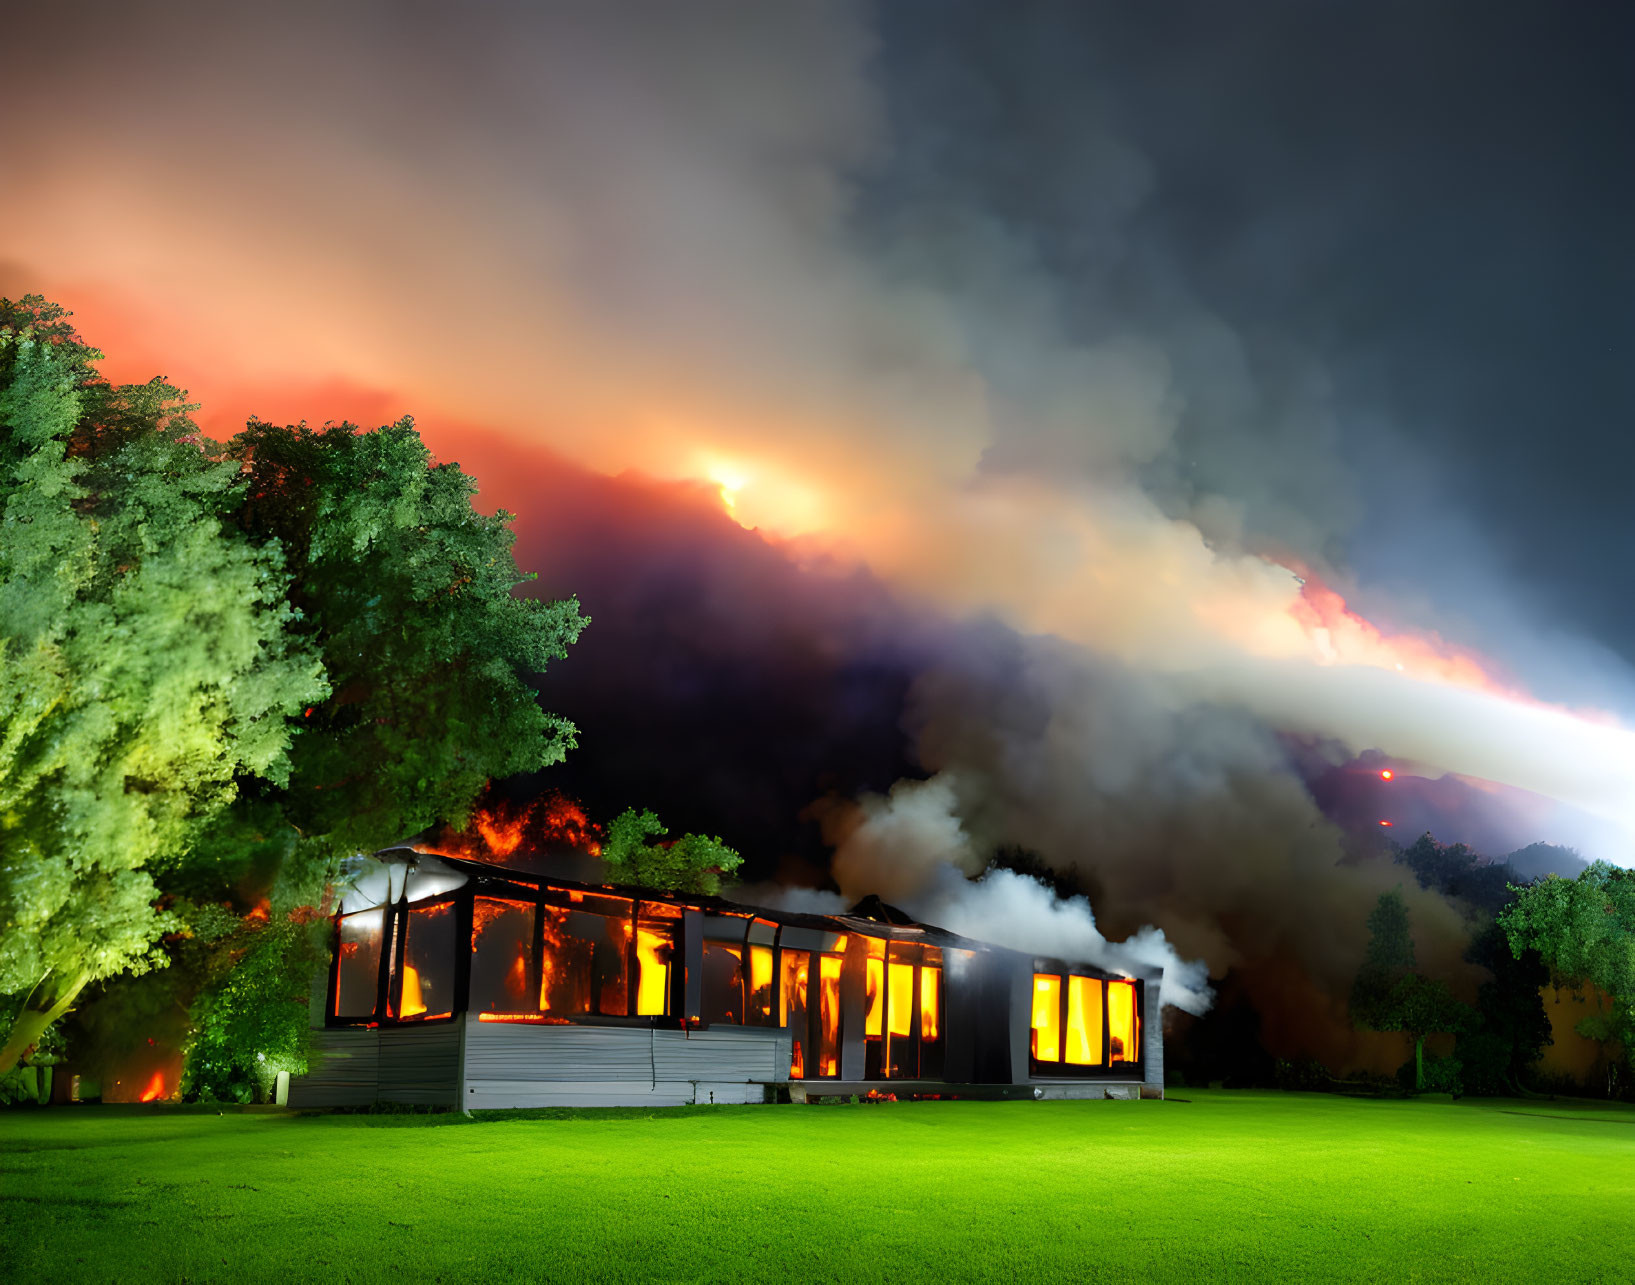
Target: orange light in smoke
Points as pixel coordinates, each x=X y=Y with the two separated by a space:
x=1386 y=774
x=1385 y=823
x=155 y=1089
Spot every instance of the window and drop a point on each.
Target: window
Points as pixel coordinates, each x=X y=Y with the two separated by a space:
x=655 y=960
x=502 y=956
x=426 y=988
x=357 y=963
x=723 y=989
x=828 y=1032
x=1123 y=1027
x=1084 y=1025
x=792 y=1007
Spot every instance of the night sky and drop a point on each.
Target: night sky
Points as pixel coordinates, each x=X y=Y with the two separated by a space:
x=1107 y=433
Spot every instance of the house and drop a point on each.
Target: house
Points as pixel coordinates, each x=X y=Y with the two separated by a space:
x=460 y=983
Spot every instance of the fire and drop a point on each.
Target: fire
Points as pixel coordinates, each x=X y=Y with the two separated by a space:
x=1083 y=1021
x=155 y=1089
x=1045 y=1036
x=1385 y=823
x=829 y=1015
x=259 y=913
x=413 y=1004
x=653 y=954
x=1121 y=1026
x=500 y=829
x=1387 y=774
x=930 y=990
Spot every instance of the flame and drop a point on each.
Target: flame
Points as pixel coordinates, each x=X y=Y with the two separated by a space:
x=1386 y=774
x=901 y=1006
x=1083 y=1021
x=499 y=829
x=155 y=1089
x=259 y=913
x=829 y=1015
x=930 y=994
x=653 y=954
x=413 y=1004
x=875 y=990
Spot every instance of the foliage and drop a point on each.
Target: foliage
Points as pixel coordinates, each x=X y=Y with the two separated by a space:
x=1456 y=871
x=692 y=863
x=1584 y=930
x=1389 y=995
x=146 y=669
x=406 y=592
x=1510 y=1028
x=1432 y=1075
x=254 y=1022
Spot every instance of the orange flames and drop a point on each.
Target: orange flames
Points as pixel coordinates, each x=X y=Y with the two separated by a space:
x=155 y=1089
x=500 y=829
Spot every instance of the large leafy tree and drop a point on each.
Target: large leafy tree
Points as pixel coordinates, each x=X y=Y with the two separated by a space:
x=146 y=663
x=1390 y=995
x=1584 y=928
x=406 y=593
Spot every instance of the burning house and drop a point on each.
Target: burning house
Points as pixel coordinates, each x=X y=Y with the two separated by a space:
x=459 y=983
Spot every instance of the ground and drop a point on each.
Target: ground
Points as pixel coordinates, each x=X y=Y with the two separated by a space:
x=1220 y=1186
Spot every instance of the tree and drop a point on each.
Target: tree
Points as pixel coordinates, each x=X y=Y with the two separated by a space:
x=407 y=594
x=1511 y=1027
x=1390 y=995
x=1584 y=929
x=692 y=863
x=146 y=670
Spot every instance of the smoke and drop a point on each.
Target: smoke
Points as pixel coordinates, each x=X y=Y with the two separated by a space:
x=910 y=847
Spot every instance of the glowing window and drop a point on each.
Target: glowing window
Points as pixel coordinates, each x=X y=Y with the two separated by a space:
x=759 y=1008
x=426 y=988
x=357 y=968
x=1123 y=1043
x=792 y=1006
x=1046 y=1039
x=502 y=956
x=1083 y=1021
x=828 y=1042
x=655 y=964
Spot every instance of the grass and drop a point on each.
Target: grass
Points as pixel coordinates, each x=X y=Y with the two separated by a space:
x=1225 y=1186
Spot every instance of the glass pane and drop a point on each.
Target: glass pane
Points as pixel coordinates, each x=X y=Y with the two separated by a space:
x=723 y=991
x=828 y=1050
x=930 y=1023
x=1122 y=1045
x=1047 y=1018
x=760 y=986
x=357 y=982
x=1083 y=1021
x=502 y=956
x=611 y=964
x=565 y=967
x=655 y=955
x=875 y=993
x=428 y=962
x=792 y=1007
x=901 y=1054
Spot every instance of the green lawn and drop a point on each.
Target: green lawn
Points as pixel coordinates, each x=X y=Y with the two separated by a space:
x=1226 y=1186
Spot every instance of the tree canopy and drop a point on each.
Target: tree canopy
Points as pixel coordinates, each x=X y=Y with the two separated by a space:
x=692 y=863
x=229 y=664
x=146 y=662
x=1390 y=995
x=1584 y=928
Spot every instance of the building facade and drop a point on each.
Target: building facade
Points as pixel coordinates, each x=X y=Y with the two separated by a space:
x=462 y=984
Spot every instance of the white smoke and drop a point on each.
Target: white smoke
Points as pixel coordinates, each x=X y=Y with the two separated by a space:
x=912 y=849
